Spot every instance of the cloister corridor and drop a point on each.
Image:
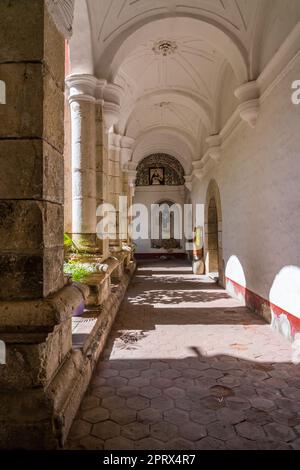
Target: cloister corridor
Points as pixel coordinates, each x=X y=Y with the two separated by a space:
x=188 y=367
x=149 y=228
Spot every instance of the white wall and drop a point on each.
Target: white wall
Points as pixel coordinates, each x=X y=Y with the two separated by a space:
x=148 y=195
x=258 y=178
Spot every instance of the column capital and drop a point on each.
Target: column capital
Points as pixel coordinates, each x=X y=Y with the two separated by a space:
x=82 y=87
x=111 y=114
x=111 y=96
x=114 y=141
x=126 y=149
x=248 y=96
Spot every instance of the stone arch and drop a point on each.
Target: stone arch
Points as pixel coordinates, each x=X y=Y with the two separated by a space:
x=229 y=45
x=213 y=252
x=172 y=168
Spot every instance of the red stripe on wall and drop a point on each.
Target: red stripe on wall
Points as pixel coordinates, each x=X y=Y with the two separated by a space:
x=257 y=303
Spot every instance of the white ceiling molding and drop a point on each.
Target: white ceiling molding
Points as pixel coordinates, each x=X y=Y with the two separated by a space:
x=62 y=13
x=248 y=96
x=111 y=115
x=214 y=147
x=188 y=182
x=126 y=149
x=198 y=172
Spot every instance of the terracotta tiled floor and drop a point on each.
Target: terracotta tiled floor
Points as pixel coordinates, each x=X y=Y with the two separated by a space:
x=188 y=367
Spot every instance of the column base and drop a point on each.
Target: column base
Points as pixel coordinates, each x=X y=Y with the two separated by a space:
x=38 y=383
x=86 y=243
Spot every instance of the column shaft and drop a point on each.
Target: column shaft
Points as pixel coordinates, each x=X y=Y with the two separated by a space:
x=83 y=172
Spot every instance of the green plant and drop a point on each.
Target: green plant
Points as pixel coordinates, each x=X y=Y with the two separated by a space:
x=69 y=245
x=67 y=241
x=78 y=271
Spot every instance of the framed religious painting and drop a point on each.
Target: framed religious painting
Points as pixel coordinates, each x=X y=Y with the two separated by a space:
x=156 y=176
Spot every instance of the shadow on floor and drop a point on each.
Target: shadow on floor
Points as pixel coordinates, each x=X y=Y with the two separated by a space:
x=187 y=367
x=198 y=402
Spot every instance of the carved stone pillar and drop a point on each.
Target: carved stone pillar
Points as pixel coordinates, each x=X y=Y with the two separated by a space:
x=128 y=184
x=83 y=120
x=114 y=187
x=130 y=179
x=107 y=114
x=36 y=304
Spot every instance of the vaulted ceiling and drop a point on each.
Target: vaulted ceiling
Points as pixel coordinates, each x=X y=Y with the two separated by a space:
x=170 y=57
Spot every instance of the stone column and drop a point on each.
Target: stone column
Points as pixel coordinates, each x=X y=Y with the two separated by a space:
x=130 y=178
x=101 y=170
x=114 y=185
x=83 y=121
x=107 y=114
x=35 y=303
x=128 y=181
x=67 y=170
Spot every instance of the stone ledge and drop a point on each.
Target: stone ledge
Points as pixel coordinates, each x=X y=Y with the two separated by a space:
x=79 y=367
x=34 y=315
x=47 y=426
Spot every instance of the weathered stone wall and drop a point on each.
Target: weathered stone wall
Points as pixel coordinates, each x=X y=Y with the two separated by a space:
x=35 y=304
x=31 y=148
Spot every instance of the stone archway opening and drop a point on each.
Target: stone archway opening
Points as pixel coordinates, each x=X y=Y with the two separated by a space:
x=214 y=264
x=212 y=238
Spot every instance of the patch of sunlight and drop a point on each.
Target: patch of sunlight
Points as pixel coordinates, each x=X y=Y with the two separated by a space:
x=285 y=290
x=234 y=271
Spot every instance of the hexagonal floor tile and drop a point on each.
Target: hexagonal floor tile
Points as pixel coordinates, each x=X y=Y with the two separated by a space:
x=250 y=431
x=138 y=403
x=221 y=431
x=192 y=431
x=95 y=415
x=111 y=403
x=180 y=444
x=123 y=415
x=135 y=431
x=79 y=429
x=149 y=416
x=150 y=391
x=118 y=443
x=176 y=416
x=91 y=443
x=279 y=432
x=162 y=403
x=163 y=431
x=106 y=430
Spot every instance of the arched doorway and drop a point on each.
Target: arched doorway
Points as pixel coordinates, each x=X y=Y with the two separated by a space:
x=214 y=264
x=169 y=218
x=160 y=188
